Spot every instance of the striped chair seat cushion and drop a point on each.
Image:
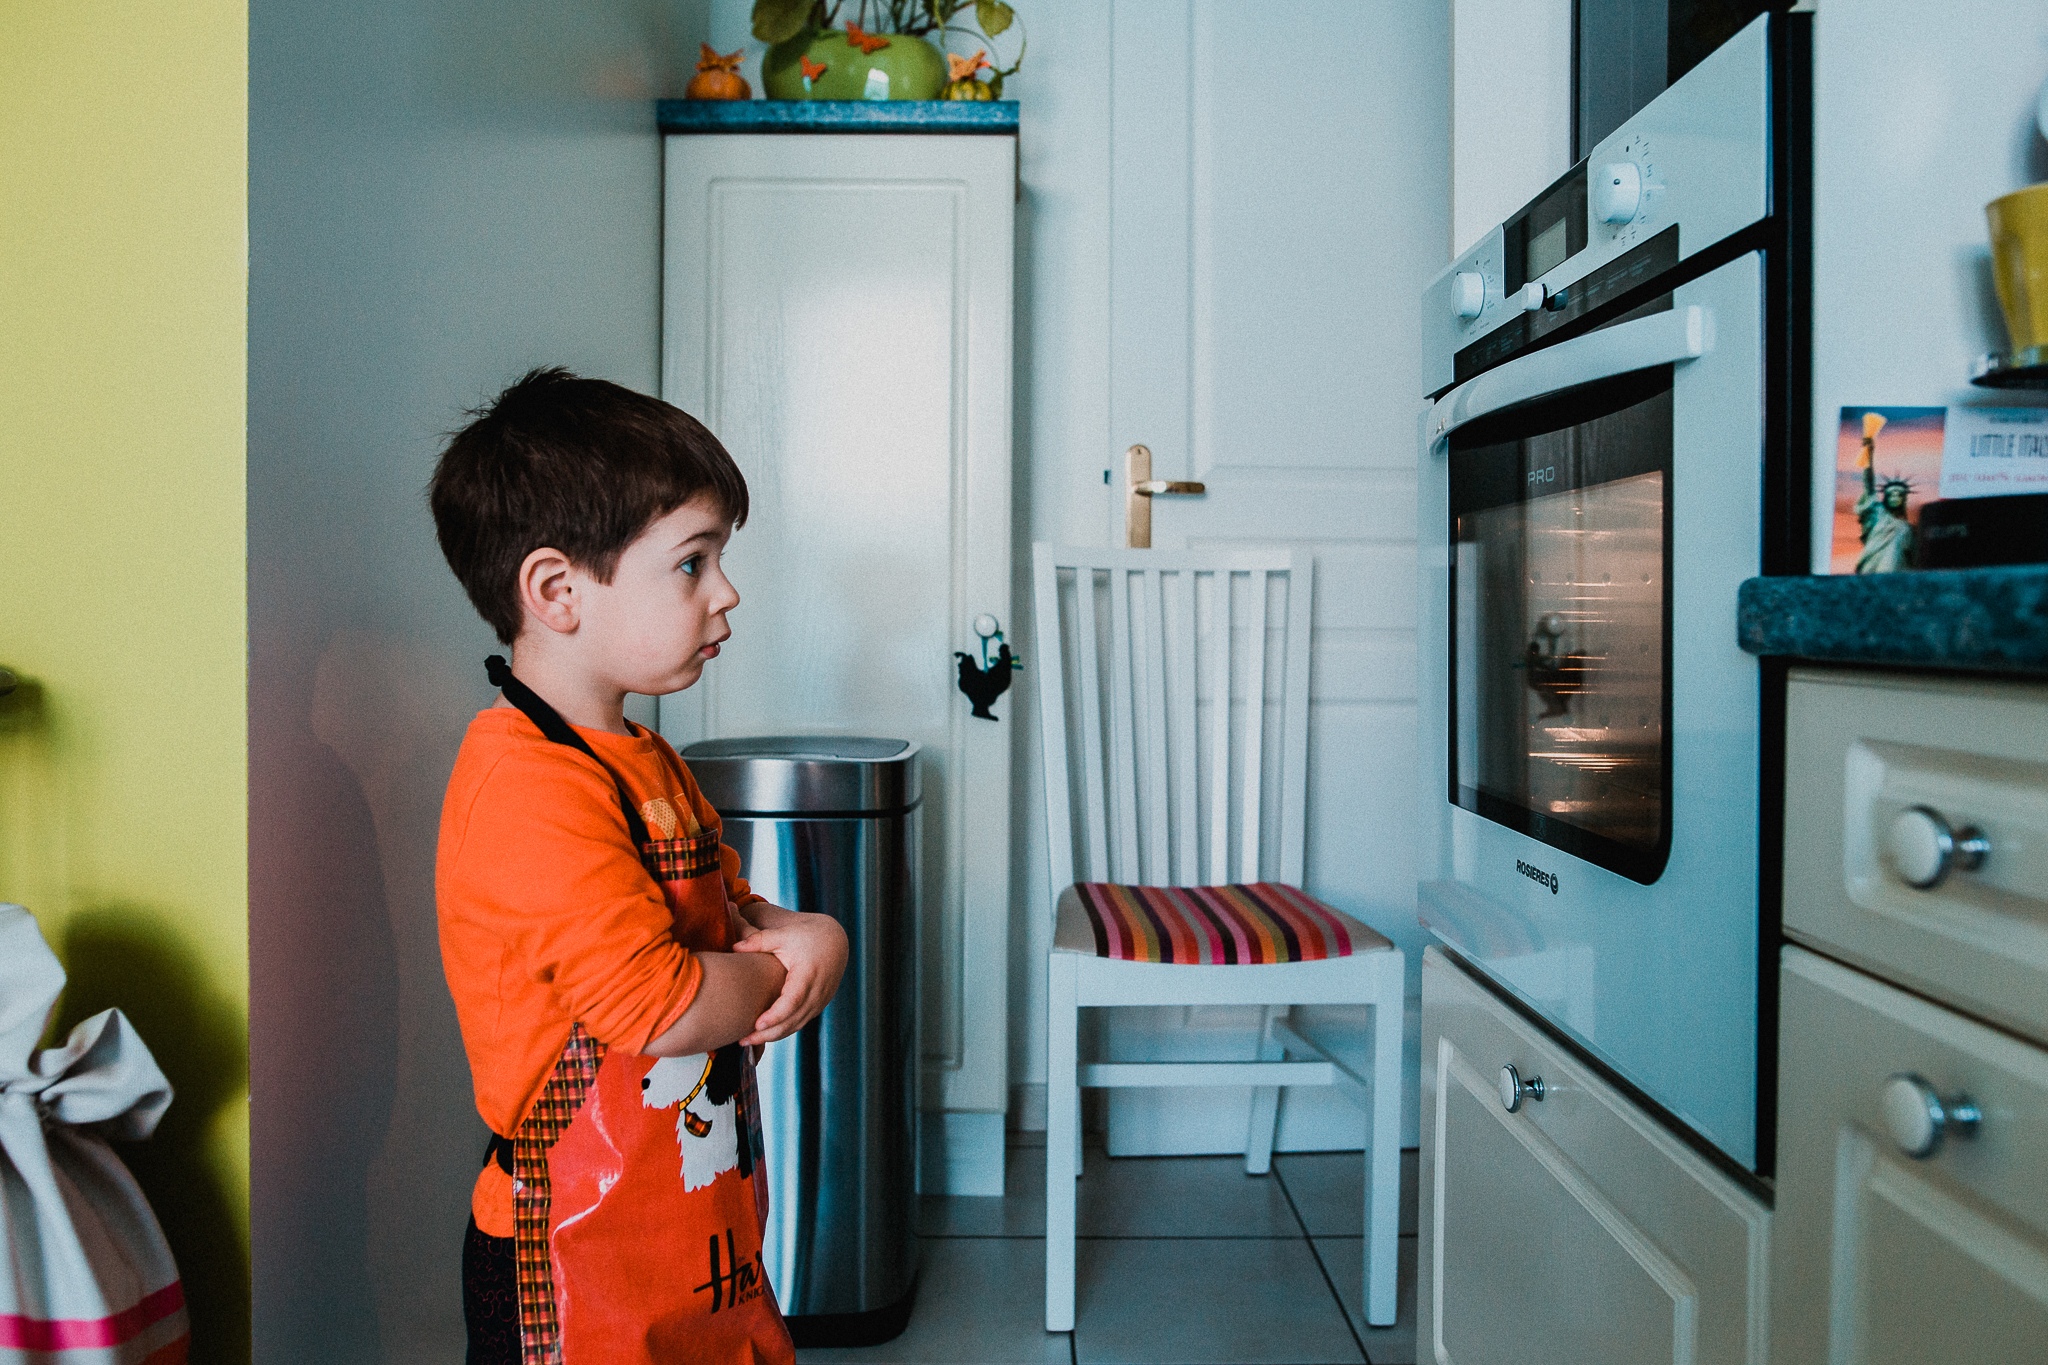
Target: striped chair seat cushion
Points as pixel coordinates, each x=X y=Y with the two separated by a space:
x=1259 y=923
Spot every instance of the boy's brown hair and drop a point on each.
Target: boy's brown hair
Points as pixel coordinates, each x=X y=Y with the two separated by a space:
x=578 y=465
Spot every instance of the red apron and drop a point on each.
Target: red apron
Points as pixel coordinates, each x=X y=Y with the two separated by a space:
x=638 y=1195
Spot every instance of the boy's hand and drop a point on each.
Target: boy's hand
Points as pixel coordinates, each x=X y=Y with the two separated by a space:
x=742 y=927
x=812 y=950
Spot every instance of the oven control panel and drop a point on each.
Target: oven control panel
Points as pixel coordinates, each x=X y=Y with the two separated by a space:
x=1697 y=158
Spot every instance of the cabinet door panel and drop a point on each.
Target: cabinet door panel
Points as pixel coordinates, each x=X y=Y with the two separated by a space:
x=837 y=308
x=1863 y=749
x=1882 y=1258
x=1576 y=1229
x=1536 y=1265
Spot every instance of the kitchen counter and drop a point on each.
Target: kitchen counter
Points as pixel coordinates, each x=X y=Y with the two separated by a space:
x=1967 y=620
x=836 y=116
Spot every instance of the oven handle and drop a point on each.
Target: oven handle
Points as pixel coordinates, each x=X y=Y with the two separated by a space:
x=1664 y=339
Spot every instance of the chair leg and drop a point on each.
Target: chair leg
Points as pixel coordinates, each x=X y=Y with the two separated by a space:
x=1062 y=1140
x=1265 y=1120
x=1383 y=1156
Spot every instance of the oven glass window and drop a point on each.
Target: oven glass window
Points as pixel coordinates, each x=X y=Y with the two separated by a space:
x=1560 y=668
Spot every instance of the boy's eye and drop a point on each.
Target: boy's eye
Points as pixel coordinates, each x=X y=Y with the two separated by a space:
x=691 y=565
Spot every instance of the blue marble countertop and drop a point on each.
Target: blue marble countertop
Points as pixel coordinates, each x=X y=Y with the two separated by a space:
x=836 y=116
x=1974 y=620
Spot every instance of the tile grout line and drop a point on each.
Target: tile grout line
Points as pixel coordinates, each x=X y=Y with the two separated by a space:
x=1321 y=1268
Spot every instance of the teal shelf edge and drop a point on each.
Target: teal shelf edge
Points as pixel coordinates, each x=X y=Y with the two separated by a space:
x=836 y=116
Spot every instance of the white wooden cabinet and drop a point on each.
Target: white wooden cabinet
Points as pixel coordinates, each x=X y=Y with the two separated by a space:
x=838 y=309
x=1884 y=1257
x=1862 y=749
x=1576 y=1229
x=1885 y=1253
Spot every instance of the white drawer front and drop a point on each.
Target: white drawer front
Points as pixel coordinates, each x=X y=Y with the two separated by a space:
x=1575 y=1230
x=1861 y=750
x=1887 y=1259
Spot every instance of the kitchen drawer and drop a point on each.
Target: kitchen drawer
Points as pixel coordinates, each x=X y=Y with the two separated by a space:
x=1864 y=749
x=1887 y=1259
x=1575 y=1230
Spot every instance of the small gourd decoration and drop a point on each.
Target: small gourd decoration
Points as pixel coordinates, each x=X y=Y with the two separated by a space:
x=963 y=85
x=718 y=78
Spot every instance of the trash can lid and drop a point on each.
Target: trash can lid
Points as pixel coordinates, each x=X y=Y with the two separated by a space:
x=806 y=774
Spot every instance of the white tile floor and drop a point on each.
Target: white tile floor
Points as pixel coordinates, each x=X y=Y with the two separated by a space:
x=1183 y=1261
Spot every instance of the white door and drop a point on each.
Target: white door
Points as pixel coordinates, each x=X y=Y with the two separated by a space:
x=1279 y=199
x=1891 y=1252
x=838 y=311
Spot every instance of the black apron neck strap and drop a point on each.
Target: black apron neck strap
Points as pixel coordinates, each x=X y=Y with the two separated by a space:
x=551 y=725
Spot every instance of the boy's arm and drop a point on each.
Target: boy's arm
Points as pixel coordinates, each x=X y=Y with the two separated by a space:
x=734 y=991
x=812 y=948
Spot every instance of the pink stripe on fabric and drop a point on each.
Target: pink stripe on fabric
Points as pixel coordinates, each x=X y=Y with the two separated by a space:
x=1219 y=906
x=1206 y=931
x=69 y=1334
x=1095 y=896
x=1335 y=935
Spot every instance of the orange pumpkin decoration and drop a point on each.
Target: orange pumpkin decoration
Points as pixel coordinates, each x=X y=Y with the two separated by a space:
x=963 y=85
x=718 y=78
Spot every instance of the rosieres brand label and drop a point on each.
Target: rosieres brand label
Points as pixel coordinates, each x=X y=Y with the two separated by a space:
x=1537 y=875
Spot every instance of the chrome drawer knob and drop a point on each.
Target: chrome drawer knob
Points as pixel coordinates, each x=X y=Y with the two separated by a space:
x=1514 y=1090
x=1925 y=848
x=1918 y=1119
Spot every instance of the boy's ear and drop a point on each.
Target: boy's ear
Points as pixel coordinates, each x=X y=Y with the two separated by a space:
x=547 y=590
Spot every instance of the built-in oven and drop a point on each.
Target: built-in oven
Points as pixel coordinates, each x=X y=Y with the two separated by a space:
x=1625 y=53
x=1605 y=441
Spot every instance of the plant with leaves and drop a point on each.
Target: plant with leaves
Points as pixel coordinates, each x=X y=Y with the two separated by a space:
x=779 y=21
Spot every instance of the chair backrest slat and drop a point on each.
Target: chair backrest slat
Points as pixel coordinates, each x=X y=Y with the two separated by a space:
x=1220 y=638
x=1052 y=701
x=1123 y=768
x=1095 y=834
x=1293 y=795
x=1186 y=732
x=1154 y=715
x=1251 y=812
x=1179 y=708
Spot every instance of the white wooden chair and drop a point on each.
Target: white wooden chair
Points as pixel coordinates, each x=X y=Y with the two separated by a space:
x=1173 y=689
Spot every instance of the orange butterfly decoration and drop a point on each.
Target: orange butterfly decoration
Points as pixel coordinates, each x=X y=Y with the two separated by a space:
x=812 y=70
x=963 y=68
x=711 y=61
x=868 y=43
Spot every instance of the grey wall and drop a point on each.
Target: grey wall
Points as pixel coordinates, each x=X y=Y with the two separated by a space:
x=442 y=194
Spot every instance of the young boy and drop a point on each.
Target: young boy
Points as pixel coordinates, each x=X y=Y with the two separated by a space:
x=610 y=968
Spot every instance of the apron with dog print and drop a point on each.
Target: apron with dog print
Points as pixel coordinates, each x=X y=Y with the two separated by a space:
x=638 y=1197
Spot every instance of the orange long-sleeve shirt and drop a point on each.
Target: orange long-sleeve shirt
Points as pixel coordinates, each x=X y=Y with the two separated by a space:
x=547 y=916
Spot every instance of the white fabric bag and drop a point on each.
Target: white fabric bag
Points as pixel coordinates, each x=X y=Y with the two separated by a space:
x=88 y=1278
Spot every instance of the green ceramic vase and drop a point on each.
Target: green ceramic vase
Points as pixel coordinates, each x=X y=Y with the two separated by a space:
x=916 y=69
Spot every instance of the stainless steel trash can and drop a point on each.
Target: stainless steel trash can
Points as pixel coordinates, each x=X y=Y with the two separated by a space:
x=828 y=824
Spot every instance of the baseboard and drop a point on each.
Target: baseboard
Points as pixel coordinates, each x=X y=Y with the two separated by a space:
x=960 y=1153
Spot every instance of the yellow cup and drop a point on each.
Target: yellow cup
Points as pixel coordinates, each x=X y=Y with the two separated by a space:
x=2019 y=261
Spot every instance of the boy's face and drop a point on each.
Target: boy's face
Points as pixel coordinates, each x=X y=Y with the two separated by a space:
x=652 y=628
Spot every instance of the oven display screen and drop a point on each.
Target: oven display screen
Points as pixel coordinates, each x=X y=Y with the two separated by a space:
x=1560 y=667
x=1549 y=232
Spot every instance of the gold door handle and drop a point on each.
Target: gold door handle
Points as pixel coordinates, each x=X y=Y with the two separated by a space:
x=1139 y=490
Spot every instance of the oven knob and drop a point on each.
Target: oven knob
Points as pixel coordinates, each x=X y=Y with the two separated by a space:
x=1530 y=298
x=1618 y=192
x=1925 y=848
x=1468 y=290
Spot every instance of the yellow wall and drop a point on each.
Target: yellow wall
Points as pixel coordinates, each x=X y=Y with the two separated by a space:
x=123 y=760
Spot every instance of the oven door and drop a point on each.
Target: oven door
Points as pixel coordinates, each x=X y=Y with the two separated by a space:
x=1560 y=624
x=1595 y=506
